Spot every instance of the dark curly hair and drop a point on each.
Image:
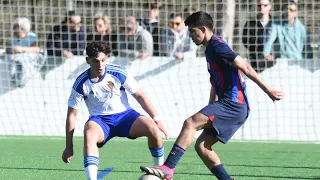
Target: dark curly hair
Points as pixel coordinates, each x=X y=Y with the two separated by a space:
x=96 y=47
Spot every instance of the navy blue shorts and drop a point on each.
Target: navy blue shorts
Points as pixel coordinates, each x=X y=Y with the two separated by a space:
x=227 y=117
x=116 y=124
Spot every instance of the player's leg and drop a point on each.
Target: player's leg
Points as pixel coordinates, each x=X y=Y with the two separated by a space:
x=218 y=115
x=93 y=135
x=210 y=158
x=190 y=126
x=144 y=126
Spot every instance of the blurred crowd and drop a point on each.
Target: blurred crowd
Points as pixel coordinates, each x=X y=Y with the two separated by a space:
x=266 y=38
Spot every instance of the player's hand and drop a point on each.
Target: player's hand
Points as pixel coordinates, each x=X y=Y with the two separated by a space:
x=161 y=128
x=67 y=155
x=275 y=95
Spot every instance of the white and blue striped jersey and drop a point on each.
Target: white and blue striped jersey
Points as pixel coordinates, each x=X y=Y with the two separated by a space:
x=107 y=96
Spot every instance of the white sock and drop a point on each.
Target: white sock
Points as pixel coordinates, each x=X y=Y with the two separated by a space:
x=92 y=172
x=157 y=155
x=158 y=161
x=91 y=167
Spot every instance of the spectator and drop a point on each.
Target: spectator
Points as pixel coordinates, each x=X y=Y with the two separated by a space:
x=176 y=41
x=290 y=31
x=254 y=36
x=152 y=25
x=68 y=38
x=135 y=41
x=319 y=43
x=188 y=11
x=103 y=32
x=23 y=52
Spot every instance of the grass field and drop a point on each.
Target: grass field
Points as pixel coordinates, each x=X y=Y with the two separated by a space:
x=39 y=158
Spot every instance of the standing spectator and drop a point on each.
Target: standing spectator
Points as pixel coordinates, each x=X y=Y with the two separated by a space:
x=290 y=31
x=176 y=41
x=68 y=38
x=254 y=36
x=152 y=25
x=103 y=32
x=135 y=41
x=23 y=52
x=188 y=11
x=319 y=43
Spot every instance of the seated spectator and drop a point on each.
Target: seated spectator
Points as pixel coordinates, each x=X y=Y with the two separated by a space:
x=135 y=41
x=103 y=32
x=176 y=41
x=68 y=38
x=292 y=35
x=254 y=36
x=23 y=52
x=152 y=25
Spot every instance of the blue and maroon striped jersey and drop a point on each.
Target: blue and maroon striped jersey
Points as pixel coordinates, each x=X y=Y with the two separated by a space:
x=227 y=80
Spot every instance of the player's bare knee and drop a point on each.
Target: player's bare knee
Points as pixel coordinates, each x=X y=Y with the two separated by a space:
x=90 y=136
x=153 y=131
x=199 y=146
x=188 y=123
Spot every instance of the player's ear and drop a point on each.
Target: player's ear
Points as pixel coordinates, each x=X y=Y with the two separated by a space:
x=87 y=59
x=203 y=29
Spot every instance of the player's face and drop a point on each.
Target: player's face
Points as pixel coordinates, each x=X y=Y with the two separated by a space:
x=98 y=64
x=196 y=34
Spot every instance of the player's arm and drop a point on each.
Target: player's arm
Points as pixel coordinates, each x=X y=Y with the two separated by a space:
x=74 y=101
x=70 y=126
x=213 y=95
x=245 y=67
x=131 y=85
x=145 y=103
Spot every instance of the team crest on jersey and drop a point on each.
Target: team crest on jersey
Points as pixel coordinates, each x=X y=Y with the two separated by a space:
x=110 y=85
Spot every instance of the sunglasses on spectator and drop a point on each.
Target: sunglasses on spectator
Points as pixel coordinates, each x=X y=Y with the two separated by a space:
x=264 y=5
x=76 y=24
x=171 y=24
x=289 y=9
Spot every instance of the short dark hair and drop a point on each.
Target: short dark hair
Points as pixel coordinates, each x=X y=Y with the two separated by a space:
x=68 y=16
x=173 y=15
x=187 y=9
x=199 y=19
x=96 y=47
x=150 y=6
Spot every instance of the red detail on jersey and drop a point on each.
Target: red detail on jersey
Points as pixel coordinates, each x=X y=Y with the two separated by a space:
x=217 y=69
x=211 y=118
x=221 y=41
x=240 y=89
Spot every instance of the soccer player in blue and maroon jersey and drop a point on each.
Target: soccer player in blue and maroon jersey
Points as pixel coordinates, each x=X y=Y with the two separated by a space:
x=228 y=106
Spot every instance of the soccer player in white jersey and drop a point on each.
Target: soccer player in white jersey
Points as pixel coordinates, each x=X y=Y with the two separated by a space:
x=103 y=87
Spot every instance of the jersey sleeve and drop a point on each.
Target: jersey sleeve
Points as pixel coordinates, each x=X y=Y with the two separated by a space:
x=226 y=53
x=75 y=99
x=131 y=85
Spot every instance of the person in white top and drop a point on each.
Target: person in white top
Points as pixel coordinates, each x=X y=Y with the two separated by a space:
x=103 y=87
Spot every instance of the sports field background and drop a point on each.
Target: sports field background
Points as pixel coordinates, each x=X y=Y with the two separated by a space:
x=39 y=158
